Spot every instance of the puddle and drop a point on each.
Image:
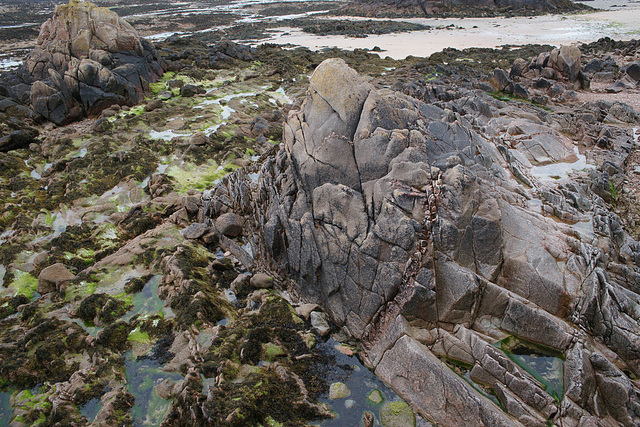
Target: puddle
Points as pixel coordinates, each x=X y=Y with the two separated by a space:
x=5 y=408
x=142 y=377
x=90 y=409
x=546 y=366
x=167 y=135
x=9 y=63
x=163 y=36
x=556 y=171
x=360 y=381
x=464 y=371
x=147 y=302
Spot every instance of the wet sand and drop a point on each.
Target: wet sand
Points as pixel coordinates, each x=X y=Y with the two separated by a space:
x=619 y=23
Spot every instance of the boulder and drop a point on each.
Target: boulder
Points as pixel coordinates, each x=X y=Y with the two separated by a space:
x=51 y=277
x=566 y=60
x=18 y=139
x=229 y=224
x=261 y=281
x=633 y=71
x=191 y=90
x=86 y=59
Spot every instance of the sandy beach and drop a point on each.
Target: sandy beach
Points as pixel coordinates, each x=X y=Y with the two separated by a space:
x=618 y=22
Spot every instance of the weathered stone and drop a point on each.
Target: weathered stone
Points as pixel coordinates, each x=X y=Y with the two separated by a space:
x=319 y=323
x=154 y=104
x=195 y=231
x=229 y=224
x=50 y=277
x=566 y=60
x=633 y=70
x=261 y=281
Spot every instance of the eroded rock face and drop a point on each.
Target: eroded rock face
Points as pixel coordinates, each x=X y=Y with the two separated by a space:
x=437 y=239
x=86 y=60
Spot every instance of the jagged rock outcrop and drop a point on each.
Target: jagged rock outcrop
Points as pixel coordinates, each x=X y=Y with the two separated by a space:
x=87 y=59
x=431 y=232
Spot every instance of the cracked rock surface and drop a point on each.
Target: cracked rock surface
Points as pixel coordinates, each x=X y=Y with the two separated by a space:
x=453 y=237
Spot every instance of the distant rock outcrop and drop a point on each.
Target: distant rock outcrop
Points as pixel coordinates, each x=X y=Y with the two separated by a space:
x=460 y=7
x=86 y=60
x=428 y=229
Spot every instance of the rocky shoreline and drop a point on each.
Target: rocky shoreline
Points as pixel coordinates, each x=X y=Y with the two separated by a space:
x=231 y=245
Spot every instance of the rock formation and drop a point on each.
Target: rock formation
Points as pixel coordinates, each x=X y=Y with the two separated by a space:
x=86 y=60
x=430 y=230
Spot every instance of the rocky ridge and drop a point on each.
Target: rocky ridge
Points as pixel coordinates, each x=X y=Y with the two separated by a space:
x=450 y=231
x=449 y=8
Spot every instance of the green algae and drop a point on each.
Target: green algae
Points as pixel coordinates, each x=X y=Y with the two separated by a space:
x=189 y=176
x=272 y=351
x=397 y=414
x=139 y=337
x=24 y=284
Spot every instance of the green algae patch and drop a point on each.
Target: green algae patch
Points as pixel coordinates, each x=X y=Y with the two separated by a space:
x=139 y=337
x=397 y=414
x=189 y=176
x=161 y=84
x=24 y=284
x=272 y=351
x=32 y=409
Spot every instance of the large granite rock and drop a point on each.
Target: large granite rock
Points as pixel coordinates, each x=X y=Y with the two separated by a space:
x=436 y=232
x=87 y=59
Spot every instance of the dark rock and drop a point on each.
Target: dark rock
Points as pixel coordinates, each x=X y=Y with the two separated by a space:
x=18 y=139
x=229 y=224
x=633 y=70
x=191 y=90
x=154 y=104
x=519 y=67
x=500 y=80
